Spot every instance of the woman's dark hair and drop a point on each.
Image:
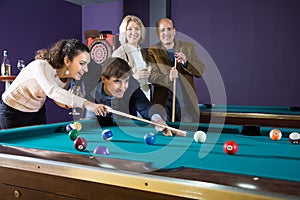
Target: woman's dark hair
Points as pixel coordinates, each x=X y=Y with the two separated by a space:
x=70 y=48
x=115 y=67
x=41 y=54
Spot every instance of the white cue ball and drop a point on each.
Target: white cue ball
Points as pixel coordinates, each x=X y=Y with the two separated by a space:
x=199 y=136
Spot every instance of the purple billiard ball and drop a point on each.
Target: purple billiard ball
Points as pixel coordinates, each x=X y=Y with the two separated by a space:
x=101 y=150
x=294 y=138
x=107 y=134
x=80 y=143
x=149 y=138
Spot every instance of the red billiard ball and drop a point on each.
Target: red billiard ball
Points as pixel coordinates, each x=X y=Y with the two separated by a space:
x=101 y=150
x=73 y=134
x=149 y=138
x=80 y=143
x=275 y=134
x=230 y=147
x=107 y=134
x=294 y=138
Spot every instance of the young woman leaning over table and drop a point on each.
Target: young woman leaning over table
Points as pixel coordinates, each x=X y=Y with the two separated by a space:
x=49 y=76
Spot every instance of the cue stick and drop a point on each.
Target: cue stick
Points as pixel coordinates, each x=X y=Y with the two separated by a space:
x=181 y=133
x=174 y=95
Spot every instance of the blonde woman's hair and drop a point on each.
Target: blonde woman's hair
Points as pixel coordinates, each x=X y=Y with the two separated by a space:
x=123 y=27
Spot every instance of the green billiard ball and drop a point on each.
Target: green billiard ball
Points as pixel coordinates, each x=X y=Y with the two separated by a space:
x=73 y=134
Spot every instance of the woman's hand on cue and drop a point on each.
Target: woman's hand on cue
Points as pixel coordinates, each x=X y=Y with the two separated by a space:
x=98 y=109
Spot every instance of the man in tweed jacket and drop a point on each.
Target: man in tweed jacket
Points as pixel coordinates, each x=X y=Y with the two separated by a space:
x=162 y=58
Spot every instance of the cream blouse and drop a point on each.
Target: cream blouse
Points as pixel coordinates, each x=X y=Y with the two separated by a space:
x=34 y=83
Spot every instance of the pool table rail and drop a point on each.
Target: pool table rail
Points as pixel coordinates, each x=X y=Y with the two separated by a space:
x=262 y=119
x=182 y=183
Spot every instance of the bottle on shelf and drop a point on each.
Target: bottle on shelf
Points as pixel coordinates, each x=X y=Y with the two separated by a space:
x=5 y=65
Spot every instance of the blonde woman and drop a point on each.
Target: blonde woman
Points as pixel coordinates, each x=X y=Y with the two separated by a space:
x=132 y=33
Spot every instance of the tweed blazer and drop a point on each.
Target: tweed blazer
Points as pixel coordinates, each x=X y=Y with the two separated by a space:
x=161 y=65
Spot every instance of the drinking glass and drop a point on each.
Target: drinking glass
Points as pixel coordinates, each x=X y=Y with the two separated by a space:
x=76 y=90
x=20 y=64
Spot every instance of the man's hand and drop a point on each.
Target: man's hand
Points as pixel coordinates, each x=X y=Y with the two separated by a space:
x=166 y=131
x=180 y=57
x=173 y=74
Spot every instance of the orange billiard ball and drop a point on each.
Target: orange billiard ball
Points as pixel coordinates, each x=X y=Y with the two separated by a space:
x=230 y=147
x=275 y=134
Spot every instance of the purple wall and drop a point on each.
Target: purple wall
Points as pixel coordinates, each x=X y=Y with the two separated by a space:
x=104 y=16
x=32 y=24
x=254 y=43
x=139 y=9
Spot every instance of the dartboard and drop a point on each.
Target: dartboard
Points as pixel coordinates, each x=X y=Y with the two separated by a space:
x=100 y=50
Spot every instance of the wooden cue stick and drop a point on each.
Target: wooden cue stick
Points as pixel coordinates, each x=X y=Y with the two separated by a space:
x=174 y=95
x=182 y=133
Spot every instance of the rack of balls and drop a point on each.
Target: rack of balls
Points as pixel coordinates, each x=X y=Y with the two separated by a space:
x=79 y=143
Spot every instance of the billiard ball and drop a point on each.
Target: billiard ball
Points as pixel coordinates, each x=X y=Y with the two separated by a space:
x=70 y=127
x=199 y=136
x=230 y=147
x=294 y=138
x=80 y=143
x=107 y=134
x=275 y=134
x=73 y=134
x=101 y=150
x=149 y=138
x=77 y=125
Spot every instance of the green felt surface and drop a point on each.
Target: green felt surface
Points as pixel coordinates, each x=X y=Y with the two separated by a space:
x=257 y=155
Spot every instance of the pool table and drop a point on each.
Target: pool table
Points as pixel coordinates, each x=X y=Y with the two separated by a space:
x=282 y=116
x=40 y=162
